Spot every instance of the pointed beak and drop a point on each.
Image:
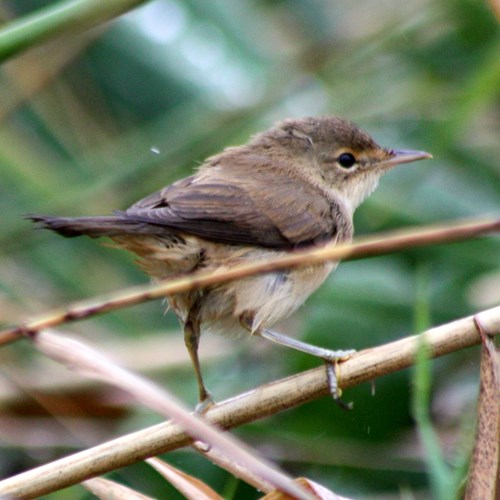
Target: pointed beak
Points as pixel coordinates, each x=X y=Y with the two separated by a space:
x=404 y=156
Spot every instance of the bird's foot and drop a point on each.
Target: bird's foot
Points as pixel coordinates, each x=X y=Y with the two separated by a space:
x=332 y=359
x=205 y=402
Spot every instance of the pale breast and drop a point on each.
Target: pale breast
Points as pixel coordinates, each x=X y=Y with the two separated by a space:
x=265 y=298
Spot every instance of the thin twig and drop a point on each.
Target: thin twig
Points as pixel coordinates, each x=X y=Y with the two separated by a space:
x=258 y=403
x=364 y=247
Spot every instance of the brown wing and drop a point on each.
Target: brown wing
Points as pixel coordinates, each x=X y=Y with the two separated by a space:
x=261 y=210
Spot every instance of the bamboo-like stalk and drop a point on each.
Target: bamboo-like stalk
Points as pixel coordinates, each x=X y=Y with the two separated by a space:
x=258 y=403
x=363 y=247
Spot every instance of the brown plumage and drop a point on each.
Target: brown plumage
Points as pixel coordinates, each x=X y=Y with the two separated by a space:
x=295 y=185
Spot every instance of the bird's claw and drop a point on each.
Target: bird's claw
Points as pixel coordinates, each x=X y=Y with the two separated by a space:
x=332 y=374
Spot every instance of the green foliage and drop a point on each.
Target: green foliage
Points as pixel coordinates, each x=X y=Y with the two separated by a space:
x=161 y=88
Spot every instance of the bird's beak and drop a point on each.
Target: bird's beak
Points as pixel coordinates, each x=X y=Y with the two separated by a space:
x=403 y=156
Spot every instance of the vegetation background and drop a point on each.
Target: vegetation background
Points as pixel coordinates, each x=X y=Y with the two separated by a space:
x=94 y=121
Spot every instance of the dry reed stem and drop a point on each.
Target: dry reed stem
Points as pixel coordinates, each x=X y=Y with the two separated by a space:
x=258 y=403
x=88 y=361
x=363 y=247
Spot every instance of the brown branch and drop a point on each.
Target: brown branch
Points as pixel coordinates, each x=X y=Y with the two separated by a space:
x=363 y=247
x=258 y=403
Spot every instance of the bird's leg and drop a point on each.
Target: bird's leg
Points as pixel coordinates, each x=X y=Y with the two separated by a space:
x=192 y=340
x=331 y=358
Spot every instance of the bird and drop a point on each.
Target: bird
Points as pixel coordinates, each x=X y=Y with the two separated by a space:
x=292 y=187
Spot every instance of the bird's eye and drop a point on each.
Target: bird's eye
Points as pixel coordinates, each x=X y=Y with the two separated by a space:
x=346 y=160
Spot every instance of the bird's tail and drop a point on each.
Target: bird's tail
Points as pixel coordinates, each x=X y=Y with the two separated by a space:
x=94 y=227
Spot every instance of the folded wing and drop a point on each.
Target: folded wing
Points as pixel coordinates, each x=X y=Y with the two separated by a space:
x=285 y=214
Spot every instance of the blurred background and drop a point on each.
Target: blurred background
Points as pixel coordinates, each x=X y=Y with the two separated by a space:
x=92 y=122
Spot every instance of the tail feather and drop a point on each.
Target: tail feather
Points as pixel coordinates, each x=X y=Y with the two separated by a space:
x=94 y=227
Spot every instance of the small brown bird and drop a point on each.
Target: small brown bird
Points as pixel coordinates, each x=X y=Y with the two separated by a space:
x=293 y=186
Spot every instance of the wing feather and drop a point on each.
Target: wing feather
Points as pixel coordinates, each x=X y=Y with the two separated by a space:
x=235 y=209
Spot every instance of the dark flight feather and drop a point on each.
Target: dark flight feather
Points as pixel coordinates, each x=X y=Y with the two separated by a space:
x=217 y=211
x=225 y=211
